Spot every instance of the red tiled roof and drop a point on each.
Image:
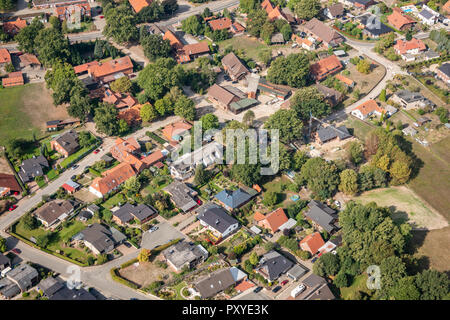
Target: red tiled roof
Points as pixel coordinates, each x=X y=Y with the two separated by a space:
x=275 y=13
x=138 y=5
x=113 y=178
x=369 y=106
x=13 y=79
x=5 y=57
x=398 y=19
x=27 y=59
x=196 y=48
x=244 y=285
x=314 y=241
x=174 y=41
x=15 y=26
x=258 y=216
x=175 y=128
x=59 y=11
x=344 y=79
x=220 y=24
x=326 y=65
x=403 y=47
x=237 y=28
x=276 y=219
x=10 y=182
x=111 y=67
x=446 y=7
x=84 y=67
x=65 y=186
x=131 y=115
x=153 y=158
x=266 y=5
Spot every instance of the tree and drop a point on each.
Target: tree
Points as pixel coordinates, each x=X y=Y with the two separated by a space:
x=382 y=96
x=144 y=255
x=155 y=46
x=286 y=31
x=42 y=240
x=249 y=117
x=248 y=6
x=320 y=176
x=201 y=175
x=342 y=280
x=185 y=108
x=10 y=68
x=123 y=126
x=98 y=49
x=354 y=152
x=80 y=103
x=209 y=121
x=247 y=174
x=132 y=184
x=363 y=66
x=6 y=5
x=29 y=221
x=392 y=270
x=121 y=85
x=326 y=265
x=270 y=198
x=299 y=159
x=27 y=36
x=287 y=123
x=51 y=47
x=266 y=32
x=102 y=258
x=148 y=113
x=3 y=247
x=405 y=289
x=120 y=24
x=255 y=22
x=307 y=9
x=442 y=113
x=400 y=172
x=254 y=258
x=105 y=119
x=265 y=55
x=349 y=182
x=432 y=285
x=55 y=22
x=85 y=139
x=307 y=101
x=192 y=25
x=63 y=82
x=292 y=70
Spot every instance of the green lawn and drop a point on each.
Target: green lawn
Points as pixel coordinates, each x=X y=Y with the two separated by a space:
x=52 y=174
x=114 y=201
x=250 y=46
x=359 y=284
x=157 y=184
x=360 y=128
x=67 y=161
x=178 y=289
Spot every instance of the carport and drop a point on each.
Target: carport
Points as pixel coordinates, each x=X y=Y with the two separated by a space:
x=296 y=272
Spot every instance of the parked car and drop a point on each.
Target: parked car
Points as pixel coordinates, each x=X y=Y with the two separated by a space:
x=13 y=207
x=269 y=235
x=283 y=283
x=314 y=260
x=276 y=289
x=257 y=289
x=152 y=229
x=96 y=151
x=101 y=17
x=75 y=166
x=16 y=251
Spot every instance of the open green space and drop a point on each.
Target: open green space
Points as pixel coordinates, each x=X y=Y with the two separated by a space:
x=360 y=128
x=114 y=201
x=358 y=285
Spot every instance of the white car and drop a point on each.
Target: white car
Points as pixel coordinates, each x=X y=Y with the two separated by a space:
x=152 y=229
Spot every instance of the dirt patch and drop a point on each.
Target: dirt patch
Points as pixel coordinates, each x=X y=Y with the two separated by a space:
x=4 y=167
x=144 y=273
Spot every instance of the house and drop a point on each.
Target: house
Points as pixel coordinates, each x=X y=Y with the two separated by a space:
x=218 y=221
x=347 y=81
x=367 y=109
x=234 y=67
x=221 y=96
x=277 y=38
x=272 y=265
x=183 y=167
x=23 y=276
x=119 y=100
x=443 y=72
x=278 y=91
x=184 y=255
x=428 y=16
x=322 y=216
x=296 y=272
x=422 y=120
x=334 y=11
x=175 y=132
x=13 y=27
x=236 y=28
x=66 y=144
x=316 y=289
x=399 y=20
x=412 y=47
x=274 y=13
x=312 y=243
x=99 y=238
x=409 y=131
x=182 y=196
x=83 y=68
x=70 y=186
x=31 y=168
x=410 y=100
x=13 y=79
x=84 y=216
x=218 y=281
x=220 y=24
x=93 y=209
x=66 y=12
x=5 y=262
x=194 y=50
x=322 y=32
x=430 y=54
x=330 y=95
x=42 y=4
x=373 y=27
x=56 y=289
x=390 y=110
x=138 y=5
x=107 y=71
x=325 y=67
x=8 y=184
x=175 y=43
x=29 y=61
x=5 y=57
x=306 y=43
x=233 y=199
x=359 y=4
x=111 y=179
x=54 y=212
x=128 y=212
x=132 y=116
x=272 y=221
x=330 y=133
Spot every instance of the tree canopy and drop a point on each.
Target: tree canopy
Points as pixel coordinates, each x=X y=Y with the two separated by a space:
x=292 y=70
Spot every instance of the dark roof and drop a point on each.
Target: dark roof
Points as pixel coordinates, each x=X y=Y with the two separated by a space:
x=445 y=69
x=409 y=96
x=9 y=181
x=50 y=286
x=72 y=294
x=321 y=214
x=93 y=208
x=215 y=283
x=85 y=214
x=68 y=141
x=264 y=85
x=128 y=212
x=217 y=218
x=330 y=132
x=373 y=26
x=99 y=236
x=313 y=281
x=274 y=265
x=233 y=199
x=322 y=293
x=4 y=260
x=426 y=14
x=51 y=211
x=24 y=276
x=53 y=122
x=184 y=252
x=333 y=96
x=33 y=167
x=363 y=2
x=234 y=66
x=182 y=195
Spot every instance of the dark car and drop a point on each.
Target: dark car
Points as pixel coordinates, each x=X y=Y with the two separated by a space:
x=258 y=289
x=276 y=289
x=269 y=235
x=314 y=260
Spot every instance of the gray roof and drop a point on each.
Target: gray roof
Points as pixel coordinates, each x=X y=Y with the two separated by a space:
x=106 y=158
x=33 y=167
x=68 y=141
x=99 y=236
x=321 y=214
x=409 y=96
x=23 y=275
x=322 y=293
x=233 y=199
x=8 y=289
x=277 y=38
x=297 y=271
x=426 y=14
x=336 y=9
x=217 y=218
x=93 y=208
x=333 y=96
x=182 y=195
x=313 y=281
x=234 y=66
x=274 y=265
x=215 y=283
x=184 y=253
x=51 y=211
x=331 y=132
x=4 y=260
x=128 y=212
x=445 y=68
x=72 y=294
x=50 y=285
x=322 y=31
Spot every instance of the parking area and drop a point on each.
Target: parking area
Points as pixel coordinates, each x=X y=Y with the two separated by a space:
x=126 y=248
x=164 y=234
x=254 y=296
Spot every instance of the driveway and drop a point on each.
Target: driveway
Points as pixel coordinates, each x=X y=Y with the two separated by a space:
x=164 y=234
x=250 y=295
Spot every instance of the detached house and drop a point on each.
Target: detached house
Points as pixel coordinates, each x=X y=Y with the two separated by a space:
x=108 y=71
x=175 y=132
x=31 y=168
x=66 y=12
x=66 y=144
x=272 y=221
x=29 y=61
x=13 y=27
x=184 y=254
x=408 y=49
x=111 y=179
x=325 y=67
x=233 y=199
x=127 y=213
x=99 y=238
x=5 y=57
x=272 y=265
x=138 y=5
x=334 y=11
x=367 y=109
x=322 y=216
x=443 y=72
x=218 y=221
x=13 y=79
x=274 y=13
x=428 y=16
x=8 y=184
x=322 y=32
x=234 y=67
x=182 y=196
x=218 y=281
x=54 y=212
x=312 y=243
x=331 y=133
x=410 y=100
x=400 y=21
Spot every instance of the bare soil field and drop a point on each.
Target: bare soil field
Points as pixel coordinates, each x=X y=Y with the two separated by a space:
x=144 y=274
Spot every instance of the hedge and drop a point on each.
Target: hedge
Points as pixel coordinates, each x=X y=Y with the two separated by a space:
x=95 y=172
x=78 y=155
x=129 y=263
x=121 y=280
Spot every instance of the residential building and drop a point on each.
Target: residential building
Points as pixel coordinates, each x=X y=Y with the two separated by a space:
x=31 y=168
x=360 y=4
x=220 y=24
x=234 y=67
x=132 y=116
x=71 y=186
x=331 y=133
x=221 y=96
x=13 y=79
x=184 y=255
x=24 y=276
x=193 y=50
x=119 y=100
x=5 y=57
x=323 y=33
x=107 y=71
x=182 y=196
x=218 y=221
x=54 y=212
x=390 y=110
x=138 y=5
x=412 y=47
x=128 y=212
x=399 y=20
x=347 y=81
x=5 y=262
x=56 y=289
x=428 y=16
x=66 y=12
x=29 y=61
x=278 y=91
x=373 y=27
x=8 y=184
x=99 y=238
x=443 y=72
x=111 y=179
x=325 y=67
x=308 y=43
x=334 y=11
x=175 y=43
x=316 y=289
x=312 y=243
x=330 y=95
x=66 y=144
x=322 y=216
x=367 y=109
x=13 y=27
x=274 y=13
x=218 y=281
x=233 y=199
x=410 y=100
x=175 y=132
x=272 y=265
x=43 y=4
x=272 y=221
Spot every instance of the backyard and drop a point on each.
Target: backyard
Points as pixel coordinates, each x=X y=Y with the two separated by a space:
x=360 y=128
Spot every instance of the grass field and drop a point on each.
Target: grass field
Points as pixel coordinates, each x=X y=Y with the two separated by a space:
x=25 y=110
x=433 y=181
x=360 y=128
x=359 y=284
x=407 y=206
x=250 y=46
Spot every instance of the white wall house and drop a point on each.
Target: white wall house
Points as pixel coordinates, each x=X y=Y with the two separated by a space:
x=427 y=15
